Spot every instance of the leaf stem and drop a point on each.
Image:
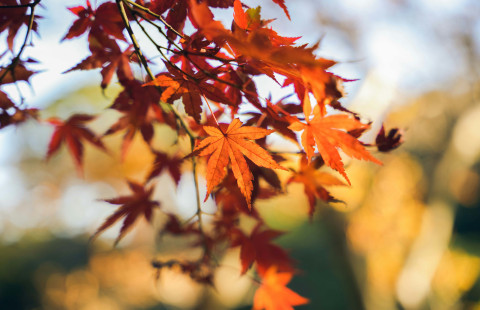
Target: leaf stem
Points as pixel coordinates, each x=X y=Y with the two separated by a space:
x=211 y=112
x=160 y=29
x=133 y=38
x=147 y=68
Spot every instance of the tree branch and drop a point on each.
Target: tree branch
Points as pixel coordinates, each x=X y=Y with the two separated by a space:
x=22 y=48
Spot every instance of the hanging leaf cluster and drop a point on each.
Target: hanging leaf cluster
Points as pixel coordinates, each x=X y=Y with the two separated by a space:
x=202 y=83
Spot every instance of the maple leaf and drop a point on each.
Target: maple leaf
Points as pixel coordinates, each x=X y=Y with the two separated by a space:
x=5 y=102
x=251 y=18
x=314 y=182
x=18 y=73
x=160 y=6
x=179 y=10
x=105 y=19
x=329 y=133
x=72 y=132
x=273 y=293
x=11 y=114
x=276 y=116
x=387 y=142
x=269 y=176
x=202 y=18
x=239 y=16
x=325 y=86
x=140 y=109
x=178 y=85
x=231 y=145
x=281 y=3
x=106 y=54
x=230 y=199
x=239 y=84
x=133 y=206
x=14 y=18
x=176 y=18
x=258 y=248
x=164 y=162
x=85 y=19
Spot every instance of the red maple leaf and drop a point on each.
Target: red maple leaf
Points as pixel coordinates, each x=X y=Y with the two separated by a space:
x=190 y=88
x=281 y=3
x=105 y=19
x=72 y=132
x=133 y=206
x=275 y=116
x=11 y=114
x=140 y=108
x=165 y=162
x=106 y=54
x=16 y=73
x=14 y=18
x=258 y=247
x=387 y=142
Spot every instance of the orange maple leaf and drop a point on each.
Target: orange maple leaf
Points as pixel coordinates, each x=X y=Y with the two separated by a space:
x=191 y=91
x=273 y=293
x=202 y=18
x=329 y=133
x=314 y=182
x=231 y=144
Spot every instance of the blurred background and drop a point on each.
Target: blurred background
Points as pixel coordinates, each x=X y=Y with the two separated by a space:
x=407 y=236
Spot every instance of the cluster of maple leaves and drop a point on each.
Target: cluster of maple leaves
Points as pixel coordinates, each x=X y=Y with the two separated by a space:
x=210 y=74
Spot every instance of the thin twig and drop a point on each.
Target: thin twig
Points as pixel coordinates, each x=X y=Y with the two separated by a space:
x=22 y=48
x=157 y=46
x=142 y=8
x=199 y=206
x=145 y=65
x=177 y=115
x=159 y=28
x=133 y=38
x=213 y=76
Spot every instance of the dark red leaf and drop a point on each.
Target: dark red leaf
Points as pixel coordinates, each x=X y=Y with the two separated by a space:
x=72 y=132
x=105 y=19
x=18 y=73
x=164 y=162
x=132 y=207
x=106 y=54
x=387 y=142
x=257 y=248
x=14 y=18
